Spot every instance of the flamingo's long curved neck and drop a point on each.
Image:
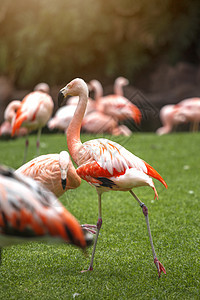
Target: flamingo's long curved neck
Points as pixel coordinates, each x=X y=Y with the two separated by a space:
x=73 y=132
x=98 y=91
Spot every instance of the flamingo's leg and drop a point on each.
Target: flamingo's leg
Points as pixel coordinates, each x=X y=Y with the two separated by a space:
x=159 y=266
x=38 y=141
x=99 y=223
x=26 y=149
x=1 y=255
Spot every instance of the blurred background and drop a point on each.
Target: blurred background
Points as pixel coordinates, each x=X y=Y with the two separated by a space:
x=155 y=44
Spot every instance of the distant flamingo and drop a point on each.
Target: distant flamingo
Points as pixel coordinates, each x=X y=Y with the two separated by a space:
x=189 y=111
x=31 y=212
x=35 y=110
x=55 y=171
x=105 y=164
x=185 y=111
x=64 y=115
x=9 y=116
x=117 y=105
x=98 y=122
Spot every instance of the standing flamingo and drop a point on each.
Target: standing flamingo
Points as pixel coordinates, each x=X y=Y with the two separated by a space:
x=9 y=116
x=105 y=164
x=30 y=212
x=55 y=171
x=35 y=110
x=99 y=122
x=117 y=105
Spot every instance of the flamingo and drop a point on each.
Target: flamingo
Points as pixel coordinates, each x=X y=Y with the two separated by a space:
x=30 y=212
x=55 y=171
x=117 y=105
x=105 y=164
x=187 y=110
x=64 y=115
x=99 y=122
x=9 y=116
x=35 y=110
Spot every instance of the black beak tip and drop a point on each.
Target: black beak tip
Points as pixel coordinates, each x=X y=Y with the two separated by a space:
x=60 y=98
x=63 y=181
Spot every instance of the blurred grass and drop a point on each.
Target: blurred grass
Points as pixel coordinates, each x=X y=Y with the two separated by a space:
x=123 y=266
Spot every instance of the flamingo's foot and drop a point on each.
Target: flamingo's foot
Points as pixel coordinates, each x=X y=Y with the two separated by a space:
x=159 y=267
x=90 y=228
x=89 y=269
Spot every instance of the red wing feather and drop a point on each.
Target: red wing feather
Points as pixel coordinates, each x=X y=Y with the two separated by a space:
x=153 y=173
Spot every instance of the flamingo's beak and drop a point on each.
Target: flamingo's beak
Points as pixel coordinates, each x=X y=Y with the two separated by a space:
x=64 y=178
x=61 y=97
x=64 y=182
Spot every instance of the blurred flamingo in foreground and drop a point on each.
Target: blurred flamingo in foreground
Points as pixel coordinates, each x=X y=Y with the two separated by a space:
x=105 y=164
x=33 y=113
x=55 y=171
x=31 y=212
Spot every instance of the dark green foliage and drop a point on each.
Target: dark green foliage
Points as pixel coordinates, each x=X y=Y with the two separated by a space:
x=123 y=266
x=55 y=41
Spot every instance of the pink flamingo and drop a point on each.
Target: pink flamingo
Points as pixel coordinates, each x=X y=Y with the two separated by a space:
x=64 y=115
x=187 y=110
x=35 y=110
x=105 y=164
x=9 y=116
x=98 y=122
x=117 y=105
x=55 y=171
x=31 y=212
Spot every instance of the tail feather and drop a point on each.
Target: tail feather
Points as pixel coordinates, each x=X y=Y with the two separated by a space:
x=137 y=116
x=18 y=122
x=153 y=173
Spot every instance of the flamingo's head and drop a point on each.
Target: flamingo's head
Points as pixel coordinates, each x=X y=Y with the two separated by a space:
x=64 y=164
x=42 y=87
x=76 y=87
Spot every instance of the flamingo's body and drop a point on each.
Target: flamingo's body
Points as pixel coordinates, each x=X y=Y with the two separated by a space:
x=34 y=112
x=55 y=171
x=30 y=212
x=62 y=118
x=106 y=165
x=64 y=115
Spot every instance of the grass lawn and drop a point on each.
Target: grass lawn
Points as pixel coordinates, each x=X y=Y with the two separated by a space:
x=123 y=265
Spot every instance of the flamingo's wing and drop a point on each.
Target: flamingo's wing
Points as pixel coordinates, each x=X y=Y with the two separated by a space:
x=105 y=158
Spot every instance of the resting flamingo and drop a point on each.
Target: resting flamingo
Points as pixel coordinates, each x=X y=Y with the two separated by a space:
x=105 y=164
x=31 y=212
x=35 y=110
x=55 y=171
x=117 y=105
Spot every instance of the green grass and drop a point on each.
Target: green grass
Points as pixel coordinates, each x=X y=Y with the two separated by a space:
x=123 y=266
